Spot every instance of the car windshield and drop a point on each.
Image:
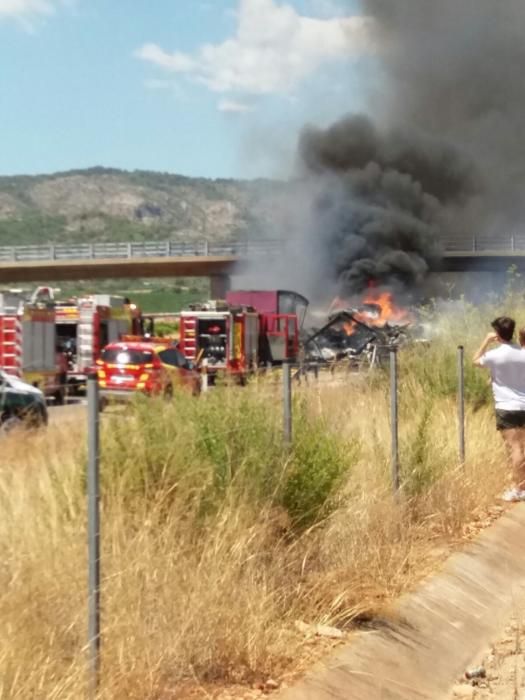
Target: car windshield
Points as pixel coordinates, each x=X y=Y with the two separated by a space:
x=125 y=356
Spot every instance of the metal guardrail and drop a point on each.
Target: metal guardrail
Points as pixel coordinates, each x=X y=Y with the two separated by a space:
x=161 y=249
x=133 y=249
x=514 y=243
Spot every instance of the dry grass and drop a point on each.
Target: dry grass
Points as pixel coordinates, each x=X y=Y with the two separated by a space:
x=204 y=574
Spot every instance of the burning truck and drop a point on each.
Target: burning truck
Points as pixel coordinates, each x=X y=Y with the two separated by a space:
x=360 y=333
x=253 y=330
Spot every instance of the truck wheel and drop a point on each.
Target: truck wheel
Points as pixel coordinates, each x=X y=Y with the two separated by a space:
x=73 y=388
x=60 y=397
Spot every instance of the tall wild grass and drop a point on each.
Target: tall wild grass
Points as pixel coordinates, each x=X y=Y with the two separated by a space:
x=217 y=538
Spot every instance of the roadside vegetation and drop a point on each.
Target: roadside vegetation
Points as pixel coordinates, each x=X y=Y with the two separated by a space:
x=217 y=539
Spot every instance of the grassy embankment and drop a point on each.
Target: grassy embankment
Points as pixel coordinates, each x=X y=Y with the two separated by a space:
x=216 y=540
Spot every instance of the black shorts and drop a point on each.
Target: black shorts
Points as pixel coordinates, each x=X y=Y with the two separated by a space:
x=509 y=419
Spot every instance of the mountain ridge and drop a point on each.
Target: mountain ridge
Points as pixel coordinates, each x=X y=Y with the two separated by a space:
x=110 y=204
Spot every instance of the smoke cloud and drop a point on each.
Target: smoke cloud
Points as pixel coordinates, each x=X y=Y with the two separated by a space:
x=441 y=154
x=387 y=200
x=455 y=69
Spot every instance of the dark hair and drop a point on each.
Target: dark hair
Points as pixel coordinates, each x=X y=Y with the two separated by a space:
x=504 y=327
x=522 y=336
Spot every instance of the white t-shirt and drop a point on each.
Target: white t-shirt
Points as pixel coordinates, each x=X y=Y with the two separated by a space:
x=507 y=367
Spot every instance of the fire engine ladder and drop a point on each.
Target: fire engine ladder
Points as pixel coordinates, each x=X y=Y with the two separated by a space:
x=85 y=339
x=190 y=338
x=10 y=340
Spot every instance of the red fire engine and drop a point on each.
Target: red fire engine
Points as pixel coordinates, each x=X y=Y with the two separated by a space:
x=28 y=341
x=250 y=329
x=86 y=325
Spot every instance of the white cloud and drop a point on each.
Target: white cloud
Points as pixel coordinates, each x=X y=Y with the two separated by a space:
x=26 y=11
x=176 y=62
x=234 y=106
x=274 y=49
x=21 y=8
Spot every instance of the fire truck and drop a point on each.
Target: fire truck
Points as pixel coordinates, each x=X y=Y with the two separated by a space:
x=250 y=329
x=28 y=341
x=85 y=325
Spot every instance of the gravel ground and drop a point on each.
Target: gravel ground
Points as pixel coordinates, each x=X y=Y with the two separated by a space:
x=503 y=664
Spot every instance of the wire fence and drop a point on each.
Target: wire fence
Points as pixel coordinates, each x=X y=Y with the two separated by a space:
x=283 y=380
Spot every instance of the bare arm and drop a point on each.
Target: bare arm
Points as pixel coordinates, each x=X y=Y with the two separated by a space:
x=489 y=339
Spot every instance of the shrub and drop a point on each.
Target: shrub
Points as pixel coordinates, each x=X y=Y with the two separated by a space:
x=226 y=445
x=317 y=465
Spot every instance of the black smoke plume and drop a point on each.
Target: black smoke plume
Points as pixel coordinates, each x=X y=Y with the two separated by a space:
x=455 y=69
x=384 y=205
x=442 y=154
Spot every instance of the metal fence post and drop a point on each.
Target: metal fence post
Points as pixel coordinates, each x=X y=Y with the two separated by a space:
x=461 y=402
x=287 y=402
x=394 y=422
x=93 y=493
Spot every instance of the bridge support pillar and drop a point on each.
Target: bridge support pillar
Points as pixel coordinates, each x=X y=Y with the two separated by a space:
x=219 y=285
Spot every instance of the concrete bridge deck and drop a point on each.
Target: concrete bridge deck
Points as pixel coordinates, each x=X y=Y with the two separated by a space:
x=59 y=270
x=217 y=260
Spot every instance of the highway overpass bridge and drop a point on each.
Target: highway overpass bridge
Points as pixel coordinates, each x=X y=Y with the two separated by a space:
x=57 y=263
x=485 y=260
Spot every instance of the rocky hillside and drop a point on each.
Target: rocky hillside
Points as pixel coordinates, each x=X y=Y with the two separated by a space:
x=102 y=204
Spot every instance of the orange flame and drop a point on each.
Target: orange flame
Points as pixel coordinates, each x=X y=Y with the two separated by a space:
x=376 y=309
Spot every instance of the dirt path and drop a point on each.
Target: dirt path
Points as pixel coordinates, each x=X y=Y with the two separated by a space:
x=504 y=664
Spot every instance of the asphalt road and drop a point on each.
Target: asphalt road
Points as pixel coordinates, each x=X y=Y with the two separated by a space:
x=74 y=409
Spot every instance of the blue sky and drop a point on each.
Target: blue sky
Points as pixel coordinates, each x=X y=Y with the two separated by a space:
x=128 y=84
